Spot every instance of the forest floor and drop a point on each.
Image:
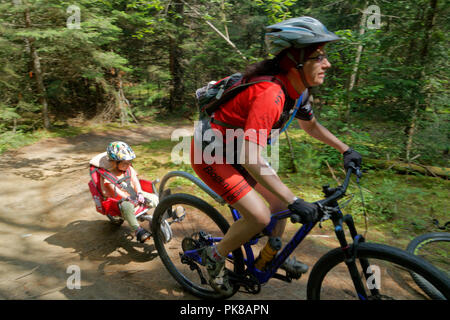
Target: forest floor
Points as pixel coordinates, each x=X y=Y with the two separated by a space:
x=48 y=223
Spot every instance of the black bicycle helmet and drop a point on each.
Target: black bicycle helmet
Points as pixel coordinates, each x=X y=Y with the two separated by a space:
x=298 y=33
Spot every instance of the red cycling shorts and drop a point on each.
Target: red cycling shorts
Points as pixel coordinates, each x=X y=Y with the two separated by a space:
x=230 y=181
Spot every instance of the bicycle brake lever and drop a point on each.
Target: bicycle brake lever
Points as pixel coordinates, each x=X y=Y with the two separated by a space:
x=358 y=174
x=356 y=170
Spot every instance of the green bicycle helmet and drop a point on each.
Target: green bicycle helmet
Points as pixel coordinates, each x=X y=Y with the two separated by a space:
x=298 y=33
x=120 y=151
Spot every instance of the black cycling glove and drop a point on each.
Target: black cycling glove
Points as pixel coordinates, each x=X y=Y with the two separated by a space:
x=352 y=156
x=307 y=211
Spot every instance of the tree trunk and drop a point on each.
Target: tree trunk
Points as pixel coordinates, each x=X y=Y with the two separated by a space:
x=37 y=73
x=402 y=167
x=291 y=149
x=411 y=131
x=224 y=19
x=359 y=51
x=175 y=55
x=415 y=115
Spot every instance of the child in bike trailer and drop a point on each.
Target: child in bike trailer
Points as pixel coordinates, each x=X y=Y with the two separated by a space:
x=117 y=161
x=299 y=63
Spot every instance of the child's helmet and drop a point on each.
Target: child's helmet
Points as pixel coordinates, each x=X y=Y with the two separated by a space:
x=120 y=151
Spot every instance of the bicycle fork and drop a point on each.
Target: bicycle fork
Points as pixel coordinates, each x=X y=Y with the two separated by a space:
x=350 y=255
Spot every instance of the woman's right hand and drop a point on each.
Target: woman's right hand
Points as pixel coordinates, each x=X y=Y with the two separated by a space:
x=307 y=211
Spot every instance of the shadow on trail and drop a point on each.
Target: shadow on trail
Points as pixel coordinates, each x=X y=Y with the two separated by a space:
x=100 y=240
x=153 y=284
x=111 y=245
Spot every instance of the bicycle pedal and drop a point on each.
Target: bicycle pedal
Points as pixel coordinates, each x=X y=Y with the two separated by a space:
x=282 y=277
x=294 y=276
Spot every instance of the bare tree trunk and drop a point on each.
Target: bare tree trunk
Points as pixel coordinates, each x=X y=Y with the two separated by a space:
x=291 y=149
x=122 y=102
x=411 y=131
x=224 y=19
x=359 y=51
x=37 y=73
x=175 y=55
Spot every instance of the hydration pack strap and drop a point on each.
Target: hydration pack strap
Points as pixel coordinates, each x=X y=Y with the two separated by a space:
x=224 y=96
x=233 y=91
x=297 y=106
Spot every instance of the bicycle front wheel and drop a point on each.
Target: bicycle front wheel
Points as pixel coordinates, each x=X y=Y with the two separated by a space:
x=193 y=218
x=433 y=247
x=386 y=278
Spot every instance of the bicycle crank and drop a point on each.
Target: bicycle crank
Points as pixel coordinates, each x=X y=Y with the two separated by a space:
x=248 y=281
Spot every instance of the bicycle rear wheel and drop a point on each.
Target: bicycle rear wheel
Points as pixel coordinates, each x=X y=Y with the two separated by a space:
x=198 y=216
x=433 y=247
x=388 y=275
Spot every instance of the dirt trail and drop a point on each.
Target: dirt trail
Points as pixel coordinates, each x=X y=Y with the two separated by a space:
x=48 y=223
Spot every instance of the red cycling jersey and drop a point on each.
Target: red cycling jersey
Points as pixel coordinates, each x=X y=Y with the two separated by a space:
x=257 y=108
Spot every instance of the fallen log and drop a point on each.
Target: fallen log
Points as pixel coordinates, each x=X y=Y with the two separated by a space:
x=403 y=167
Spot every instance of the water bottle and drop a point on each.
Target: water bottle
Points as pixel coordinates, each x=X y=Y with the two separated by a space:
x=268 y=252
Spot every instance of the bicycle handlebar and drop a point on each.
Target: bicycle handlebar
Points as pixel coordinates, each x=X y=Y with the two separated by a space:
x=333 y=194
x=339 y=192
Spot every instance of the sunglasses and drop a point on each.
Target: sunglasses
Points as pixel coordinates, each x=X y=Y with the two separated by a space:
x=319 y=58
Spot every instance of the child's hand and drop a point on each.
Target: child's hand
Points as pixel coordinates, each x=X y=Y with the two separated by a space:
x=140 y=198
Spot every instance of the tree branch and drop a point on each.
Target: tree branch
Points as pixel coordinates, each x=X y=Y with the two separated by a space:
x=215 y=29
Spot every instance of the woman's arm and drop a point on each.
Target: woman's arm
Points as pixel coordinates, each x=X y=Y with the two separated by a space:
x=316 y=130
x=261 y=171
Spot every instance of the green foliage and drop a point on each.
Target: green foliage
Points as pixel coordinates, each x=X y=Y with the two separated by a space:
x=143 y=40
x=276 y=10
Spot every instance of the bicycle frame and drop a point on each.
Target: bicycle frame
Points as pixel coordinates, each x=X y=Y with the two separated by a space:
x=263 y=276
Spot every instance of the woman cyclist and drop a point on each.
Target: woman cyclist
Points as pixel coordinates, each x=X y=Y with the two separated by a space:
x=300 y=62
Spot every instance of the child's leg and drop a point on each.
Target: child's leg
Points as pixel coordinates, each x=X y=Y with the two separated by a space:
x=127 y=210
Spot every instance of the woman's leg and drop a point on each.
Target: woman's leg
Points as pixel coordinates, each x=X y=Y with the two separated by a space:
x=275 y=205
x=255 y=217
x=294 y=267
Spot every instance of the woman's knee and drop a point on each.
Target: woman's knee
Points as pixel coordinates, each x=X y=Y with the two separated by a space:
x=262 y=220
x=253 y=209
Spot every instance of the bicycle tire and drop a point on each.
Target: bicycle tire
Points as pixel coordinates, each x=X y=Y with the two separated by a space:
x=379 y=252
x=171 y=263
x=415 y=246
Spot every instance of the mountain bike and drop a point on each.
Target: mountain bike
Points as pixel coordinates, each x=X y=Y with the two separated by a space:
x=357 y=270
x=433 y=247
